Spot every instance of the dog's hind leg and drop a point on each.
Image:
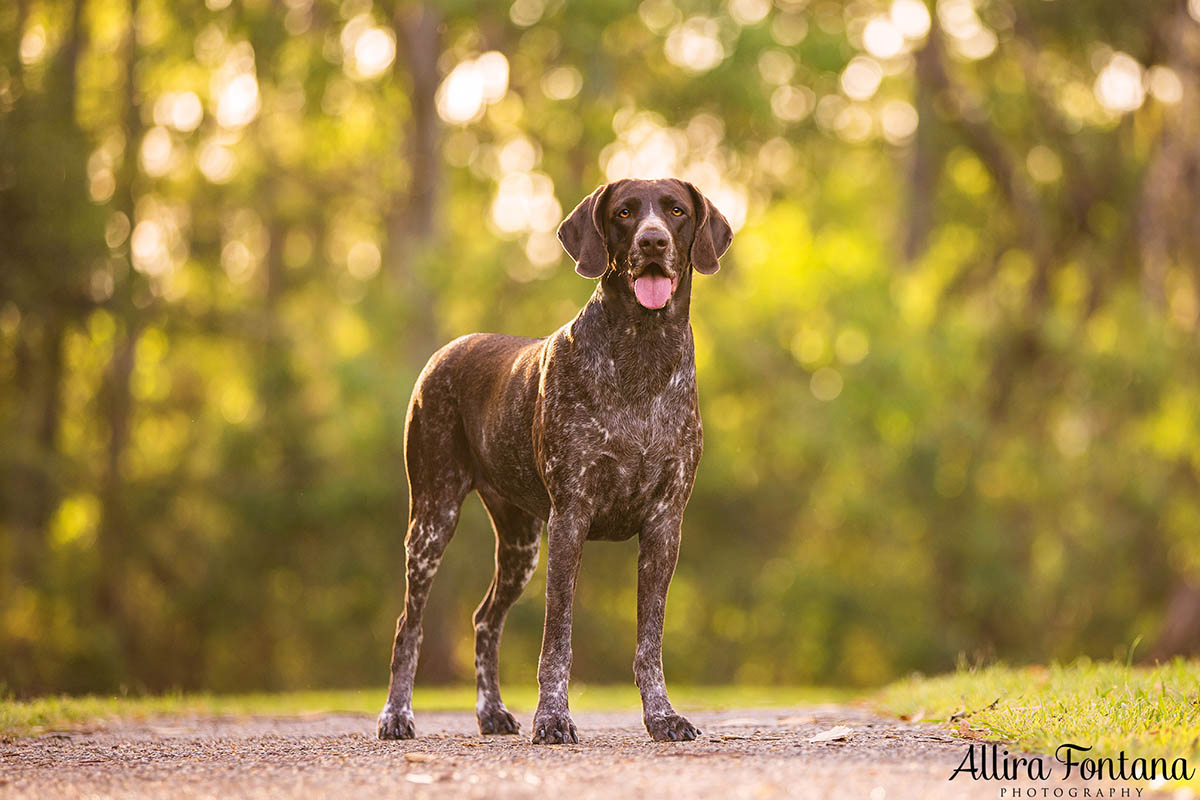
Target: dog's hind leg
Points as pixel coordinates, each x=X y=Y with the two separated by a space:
x=517 y=542
x=429 y=530
x=439 y=477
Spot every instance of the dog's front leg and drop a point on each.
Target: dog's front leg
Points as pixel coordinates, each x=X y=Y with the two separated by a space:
x=658 y=550
x=566 y=533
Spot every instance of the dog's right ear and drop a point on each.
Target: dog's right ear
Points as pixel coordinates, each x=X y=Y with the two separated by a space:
x=582 y=234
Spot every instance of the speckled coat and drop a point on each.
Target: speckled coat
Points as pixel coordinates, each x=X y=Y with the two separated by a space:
x=594 y=431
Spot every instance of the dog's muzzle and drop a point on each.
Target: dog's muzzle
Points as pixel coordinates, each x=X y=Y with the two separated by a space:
x=652 y=275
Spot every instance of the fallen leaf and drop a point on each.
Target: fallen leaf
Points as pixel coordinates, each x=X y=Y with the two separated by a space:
x=833 y=734
x=418 y=758
x=966 y=732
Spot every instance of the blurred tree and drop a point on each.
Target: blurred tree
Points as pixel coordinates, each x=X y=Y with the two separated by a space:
x=949 y=372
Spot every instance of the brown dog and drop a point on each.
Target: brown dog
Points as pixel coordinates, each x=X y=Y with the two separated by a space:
x=594 y=430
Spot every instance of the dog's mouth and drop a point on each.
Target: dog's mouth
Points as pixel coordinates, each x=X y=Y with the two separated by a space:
x=653 y=287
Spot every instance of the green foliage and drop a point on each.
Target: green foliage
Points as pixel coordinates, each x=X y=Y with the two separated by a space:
x=948 y=370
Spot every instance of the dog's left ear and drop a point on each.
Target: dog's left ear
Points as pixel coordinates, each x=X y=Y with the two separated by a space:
x=713 y=234
x=582 y=234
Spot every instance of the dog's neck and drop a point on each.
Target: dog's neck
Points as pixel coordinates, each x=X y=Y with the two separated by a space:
x=647 y=347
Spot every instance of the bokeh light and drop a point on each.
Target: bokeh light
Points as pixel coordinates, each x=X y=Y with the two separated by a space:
x=749 y=12
x=911 y=18
x=238 y=101
x=148 y=246
x=363 y=259
x=562 y=83
x=525 y=201
x=1164 y=84
x=852 y=345
x=526 y=12
x=180 y=110
x=473 y=84
x=215 y=161
x=792 y=103
x=861 y=78
x=1043 y=164
x=969 y=37
x=369 y=50
x=1119 y=87
x=882 y=38
x=157 y=151
x=899 y=121
x=826 y=384
x=776 y=67
x=695 y=45
x=33 y=45
x=648 y=148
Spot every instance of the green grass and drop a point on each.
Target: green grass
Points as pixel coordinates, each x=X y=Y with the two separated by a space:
x=24 y=717
x=1146 y=711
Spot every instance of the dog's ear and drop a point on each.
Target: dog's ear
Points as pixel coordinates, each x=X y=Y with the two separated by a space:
x=582 y=234
x=713 y=234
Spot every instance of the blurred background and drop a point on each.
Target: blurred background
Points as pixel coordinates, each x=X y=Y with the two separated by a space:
x=949 y=372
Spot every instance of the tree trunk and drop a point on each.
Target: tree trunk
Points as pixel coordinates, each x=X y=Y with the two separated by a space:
x=412 y=230
x=117 y=405
x=412 y=225
x=1166 y=215
x=1180 y=635
x=34 y=493
x=926 y=164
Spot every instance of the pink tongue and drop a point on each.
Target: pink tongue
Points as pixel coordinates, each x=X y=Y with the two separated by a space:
x=653 y=291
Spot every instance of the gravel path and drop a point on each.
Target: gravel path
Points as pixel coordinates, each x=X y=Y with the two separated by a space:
x=753 y=754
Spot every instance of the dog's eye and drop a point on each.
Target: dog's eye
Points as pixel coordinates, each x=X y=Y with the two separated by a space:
x=677 y=211
x=623 y=213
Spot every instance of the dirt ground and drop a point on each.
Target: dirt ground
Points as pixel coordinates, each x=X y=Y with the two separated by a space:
x=742 y=753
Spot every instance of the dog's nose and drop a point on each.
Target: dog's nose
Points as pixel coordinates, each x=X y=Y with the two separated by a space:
x=652 y=242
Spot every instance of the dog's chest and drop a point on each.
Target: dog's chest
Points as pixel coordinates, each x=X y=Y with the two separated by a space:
x=631 y=457
x=641 y=472
x=646 y=429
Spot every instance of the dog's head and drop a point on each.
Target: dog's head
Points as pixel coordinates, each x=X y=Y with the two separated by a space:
x=650 y=232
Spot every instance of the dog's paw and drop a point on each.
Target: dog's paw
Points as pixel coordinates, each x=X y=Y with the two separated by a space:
x=551 y=727
x=396 y=725
x=497 y=720
x=671 y=728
